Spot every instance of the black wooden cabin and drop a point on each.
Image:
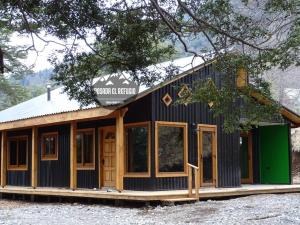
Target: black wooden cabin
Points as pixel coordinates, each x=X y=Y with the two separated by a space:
x=144 y=144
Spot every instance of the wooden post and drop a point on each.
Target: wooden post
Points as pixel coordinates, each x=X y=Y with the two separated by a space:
x=120 y=149
x=197 y=183
x=190 y=182
x=34 y=157
x=3 y=157
x=73 y=156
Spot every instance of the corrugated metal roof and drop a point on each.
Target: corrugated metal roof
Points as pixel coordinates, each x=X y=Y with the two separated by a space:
x=60 y=102
x=40 y=106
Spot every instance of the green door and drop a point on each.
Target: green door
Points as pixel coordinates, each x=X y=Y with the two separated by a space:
x=274 y=154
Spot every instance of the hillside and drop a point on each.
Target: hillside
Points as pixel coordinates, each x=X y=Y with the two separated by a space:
x=30 y=86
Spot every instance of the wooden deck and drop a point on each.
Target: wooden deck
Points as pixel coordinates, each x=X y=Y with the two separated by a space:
x=204 y=193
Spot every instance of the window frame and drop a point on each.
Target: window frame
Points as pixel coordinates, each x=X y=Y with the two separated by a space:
x=86 y=166
x=45 y=157
x=17 y=167
x=214 y=129
x=185 y=148
x=138 y=174
x=249 y=135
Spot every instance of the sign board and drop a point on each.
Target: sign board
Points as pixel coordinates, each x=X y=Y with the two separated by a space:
x=115 y=89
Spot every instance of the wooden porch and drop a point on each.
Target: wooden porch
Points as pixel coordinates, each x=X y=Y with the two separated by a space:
x=176 y=195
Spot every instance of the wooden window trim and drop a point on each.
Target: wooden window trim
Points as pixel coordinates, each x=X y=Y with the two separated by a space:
x=17 y=167
x=250 y=155
x=86 y=166
x=45 y=157
x=214 y=130
x=182 y=89
x=185 y=146
x=141 y=174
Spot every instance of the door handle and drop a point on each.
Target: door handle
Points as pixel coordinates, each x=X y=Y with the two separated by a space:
x=102 y=161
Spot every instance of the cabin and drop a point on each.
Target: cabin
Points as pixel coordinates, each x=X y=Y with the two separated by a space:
x=140 y=148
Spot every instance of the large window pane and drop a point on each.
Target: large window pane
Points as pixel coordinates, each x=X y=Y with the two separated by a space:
x=79 y=148
x=17 y=152
x=22 y=156
x=137 y=149
x=88 y=148
x=85 y=148
x=13 y=148
x=50 y=146
x=207 y=146
x=171 y=149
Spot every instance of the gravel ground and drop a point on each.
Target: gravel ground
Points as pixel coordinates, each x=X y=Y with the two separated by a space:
x=260 y=209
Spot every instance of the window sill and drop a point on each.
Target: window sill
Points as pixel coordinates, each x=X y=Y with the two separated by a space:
x=86 y=168
x=49 y=158
x=133 y=175
x=17 y=168
x=170 y=174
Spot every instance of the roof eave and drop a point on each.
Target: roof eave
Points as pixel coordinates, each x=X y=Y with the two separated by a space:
x=59 y=118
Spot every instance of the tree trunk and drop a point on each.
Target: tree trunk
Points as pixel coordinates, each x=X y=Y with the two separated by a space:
x=1 y=62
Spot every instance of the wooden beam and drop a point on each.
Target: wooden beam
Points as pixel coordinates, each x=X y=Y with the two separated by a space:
x=58 y=118
x=284 y=112
x=73 y=156
x=242 y=78
x=34 y=157
x=3 y=158
x=120 y=149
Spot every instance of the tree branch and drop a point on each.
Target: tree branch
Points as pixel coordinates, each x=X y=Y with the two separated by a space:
x=201 y=22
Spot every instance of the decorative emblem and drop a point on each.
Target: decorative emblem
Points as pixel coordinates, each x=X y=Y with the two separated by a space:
x=115 y=89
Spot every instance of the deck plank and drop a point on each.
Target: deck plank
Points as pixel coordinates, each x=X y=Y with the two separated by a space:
x=204 y=193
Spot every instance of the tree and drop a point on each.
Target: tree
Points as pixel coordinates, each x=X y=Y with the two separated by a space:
x=11 y=70
x=131 y=35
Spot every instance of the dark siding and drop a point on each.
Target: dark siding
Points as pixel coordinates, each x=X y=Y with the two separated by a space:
x=229 y=174
x=21 y=178
x=193 y=114
x=55 y=173
x=139 y=111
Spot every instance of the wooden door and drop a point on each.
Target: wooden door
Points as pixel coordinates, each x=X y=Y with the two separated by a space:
x=207 y=149
x=108 y=159
x=246 y=158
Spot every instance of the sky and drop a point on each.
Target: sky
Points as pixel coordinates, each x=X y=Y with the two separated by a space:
x=38 y=60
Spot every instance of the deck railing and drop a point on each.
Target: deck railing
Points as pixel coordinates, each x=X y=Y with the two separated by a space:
x=192 y=168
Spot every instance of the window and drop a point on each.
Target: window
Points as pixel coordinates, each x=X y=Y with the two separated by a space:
x=207 y=154
x=171 y=149
x=17 y=153
x=86 y=149
x=137 y=147
x=50 y=146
